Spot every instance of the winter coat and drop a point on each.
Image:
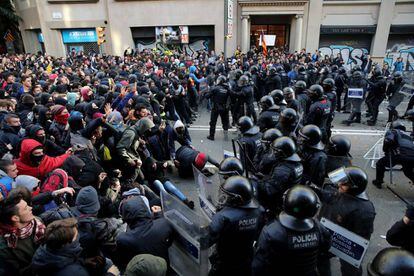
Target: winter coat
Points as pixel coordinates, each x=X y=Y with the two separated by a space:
x=48 y=164
x=8 y=135
x=59 y=132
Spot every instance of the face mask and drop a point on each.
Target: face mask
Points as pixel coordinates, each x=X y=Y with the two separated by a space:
x=36 y=160
x=16 y=129
x=62 y=118
x=41 y=139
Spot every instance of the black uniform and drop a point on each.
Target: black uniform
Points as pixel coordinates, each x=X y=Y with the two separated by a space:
x=331 y=96
x=400 y=145
x=340 y=84
x=234 y=229
x=288 y=130
x=294 y=104
x=252 y=140
x=264 y=160
x=377 y=89
x=273 y=82
x=247 y=97
x=285 y=175
x=401 y=234
x=284 y=79
x=219 y=96
x=269 y=118
x=335 y=162
x=282 y=251
x=314 y=166
x=319 y=113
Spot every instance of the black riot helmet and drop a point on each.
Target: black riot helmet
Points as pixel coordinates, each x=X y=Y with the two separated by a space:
x=278 y=97
x=356 y=68
x=272 y=71
x=357 y=75
x=248 y=74
x=300 y=205
x=254 y=69
x=328 y=84
x=237 y=192
x=342 y=70
x=352 y=176
x=284 y=148
x=324 y=71
x=288 y=90
x=302 y=70
x=376 y=72
x=300 y=87
x=288 y=117
x=392 y=261
x=311 y=136
x=334 y=68
x=397 y=77
x=231 y=166
x=315 y=92
x=270 y=135
x=266 y=102
x=243 y=81
x=221 y=80
x=339 y=145
x=409 y=115
x=237 y=74
x=244 y=124
x=398 y=125
x=280 y=69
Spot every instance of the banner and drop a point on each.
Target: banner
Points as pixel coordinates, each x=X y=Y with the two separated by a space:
x=172 y=35
x=268 y=39
x=355 y=93
x=346 y=245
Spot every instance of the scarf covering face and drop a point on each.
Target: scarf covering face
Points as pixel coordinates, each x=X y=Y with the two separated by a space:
x=13 y=234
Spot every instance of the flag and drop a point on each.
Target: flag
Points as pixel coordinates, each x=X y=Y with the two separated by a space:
x=8 y=36
x=263 y=44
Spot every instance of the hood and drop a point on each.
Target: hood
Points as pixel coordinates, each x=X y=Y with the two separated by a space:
x=48 y=260
x=71 y=97
x=115 y=118
x=73 y=166
x=146 y=264
x=33 y=129
x=144 y=124
x=28 y=145
x=193 y=69
x=27 y=181
x=178 y=124
x=44 y=98
x=135 y=209
x=87 y=201
x=253 y=131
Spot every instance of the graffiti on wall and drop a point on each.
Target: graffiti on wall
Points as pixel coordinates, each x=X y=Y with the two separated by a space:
x=406 y=52
x=188 y=49
x=350 y=55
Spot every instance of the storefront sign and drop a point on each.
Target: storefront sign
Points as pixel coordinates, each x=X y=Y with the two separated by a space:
x=348 y=29
x=346 y=245
x=229 y=19
x=79 y=35
x=40 y=38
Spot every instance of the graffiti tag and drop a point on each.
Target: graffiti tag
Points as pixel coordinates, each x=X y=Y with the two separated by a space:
x=188 y=49
x=406 y=52
x=351 y=56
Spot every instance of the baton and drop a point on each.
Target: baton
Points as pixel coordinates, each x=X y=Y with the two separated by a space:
x=397 y=195
x=234 y=148
x=245 y=160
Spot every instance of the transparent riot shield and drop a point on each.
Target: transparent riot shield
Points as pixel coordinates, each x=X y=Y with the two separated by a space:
x=208 y=192
x=189 y=251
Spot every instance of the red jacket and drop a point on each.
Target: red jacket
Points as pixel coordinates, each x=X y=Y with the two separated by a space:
x=48 y=164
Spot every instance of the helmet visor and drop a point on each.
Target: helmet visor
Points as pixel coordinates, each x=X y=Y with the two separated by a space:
x=338 y=177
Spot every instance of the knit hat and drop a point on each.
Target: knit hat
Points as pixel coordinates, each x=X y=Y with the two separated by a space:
x=53 y=77
x=28 y=99
x=71 y=96
x=27 y=181
x=146 y=265
x=200 y=160
x=57 y=109
x=87 y=201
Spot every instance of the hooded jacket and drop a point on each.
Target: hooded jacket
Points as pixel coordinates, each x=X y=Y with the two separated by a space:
x=6 y=183
x=63 y=262
x=145 y=235
x=48 y=164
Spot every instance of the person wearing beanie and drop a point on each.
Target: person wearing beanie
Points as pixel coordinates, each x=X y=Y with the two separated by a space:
x=143 y=226
x=59 y=127
x=33 y=161
x=401 y=233
x=146 y=265
x=25 y=109
x=29 y=182
x=38 y=133
x=87 y=202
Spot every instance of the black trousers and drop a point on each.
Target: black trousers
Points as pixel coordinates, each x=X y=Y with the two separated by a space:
x=406 y=163
x=224 y=115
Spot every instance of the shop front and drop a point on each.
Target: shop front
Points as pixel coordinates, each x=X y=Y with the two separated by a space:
x=80 y=40
x=401 y=44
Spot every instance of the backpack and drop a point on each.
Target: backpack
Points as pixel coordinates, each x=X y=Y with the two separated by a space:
x=61 y=212
x=55 y=180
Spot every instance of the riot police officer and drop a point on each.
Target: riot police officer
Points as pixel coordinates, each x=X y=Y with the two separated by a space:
x=219 y=96
x=273 y=80
x=341 y=81
x=288 y=123
x=235 y=101
x=265 y=159
x=346 y=204
x=338 y=149
x=302 y=96
x=285 y=174
x=319 y=110
x=329 y=89
x=269 y=116
x=247 y=97
x=231 y=166
x=255 y=79
x=392 y=262
x=302 y=75
x=283 y=76
x=250 y=140
x=324 y=73
x=399 y=149
x=356 y=81
x=312 y=74
x=291 y=102
x=312 y=154
x=401 y=233
x=292 y=244
x=278 y=98
x=376 y=94
x=395 y=97
x=234 y=228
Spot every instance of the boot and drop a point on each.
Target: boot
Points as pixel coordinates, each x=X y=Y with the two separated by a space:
x=210 y=137
x=350 y=120
x=377 y=183
x=357 y=118
x=372 y=121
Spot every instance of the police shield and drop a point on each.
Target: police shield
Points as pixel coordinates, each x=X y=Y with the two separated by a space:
x=189 y=251
x=209 y=189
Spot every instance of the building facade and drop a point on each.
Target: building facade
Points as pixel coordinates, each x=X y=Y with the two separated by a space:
x=382 y=28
